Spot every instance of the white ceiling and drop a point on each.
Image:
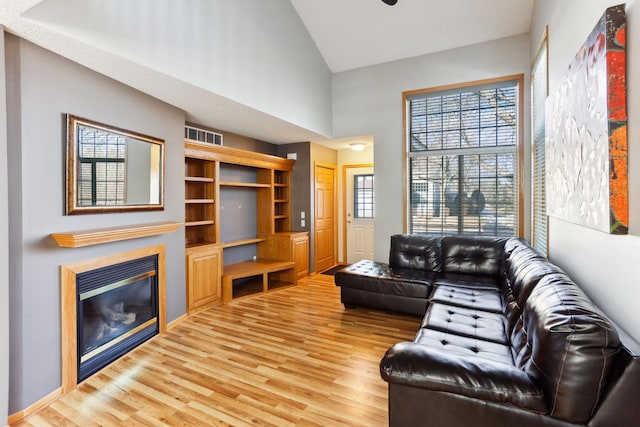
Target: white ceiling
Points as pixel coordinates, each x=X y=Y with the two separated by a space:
x=358 y=33
x=349 y=34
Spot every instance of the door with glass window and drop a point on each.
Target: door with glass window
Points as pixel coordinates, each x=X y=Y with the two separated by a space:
x=360 y=213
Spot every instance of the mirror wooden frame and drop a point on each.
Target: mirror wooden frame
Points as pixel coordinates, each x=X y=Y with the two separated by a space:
x=156 y=170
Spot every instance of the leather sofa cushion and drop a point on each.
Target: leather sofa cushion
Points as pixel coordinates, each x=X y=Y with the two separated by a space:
x=434 y=368
x=566 y=345
x=479 y=299
x=461 y=345
x=415 y=251
x=468 y=281
x=473 y=255
x=525 y=265
x=467 y=322
x=380 y=278
x=524 y=278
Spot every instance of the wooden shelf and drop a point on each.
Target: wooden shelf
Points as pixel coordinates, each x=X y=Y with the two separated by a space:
x=222 y=153
x=245 y=184
x=199 y=244
x=268 y=275
x=201 y=201
x=280 y=185
x=196 y=223
x=281 y=216
x=198 y=179
x=255 y=268
x=242 y=242
x=77 y=239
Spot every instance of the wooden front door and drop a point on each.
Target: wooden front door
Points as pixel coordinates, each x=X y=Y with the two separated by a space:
x=325 y=231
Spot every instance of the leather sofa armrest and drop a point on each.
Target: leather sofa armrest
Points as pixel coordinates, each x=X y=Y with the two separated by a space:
x=430 y=368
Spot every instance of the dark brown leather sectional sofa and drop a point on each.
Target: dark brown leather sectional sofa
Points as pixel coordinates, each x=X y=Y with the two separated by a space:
x=506 y=338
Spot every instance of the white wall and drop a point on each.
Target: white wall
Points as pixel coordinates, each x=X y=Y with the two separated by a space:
x=605 y=266
x=254 y=52
x=4 y=247
x=369 y=101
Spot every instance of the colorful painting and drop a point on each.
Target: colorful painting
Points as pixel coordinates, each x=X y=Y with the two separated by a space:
x=586 y=133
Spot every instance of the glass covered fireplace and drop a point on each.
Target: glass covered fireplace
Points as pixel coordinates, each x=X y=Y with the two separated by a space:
x=116 y=310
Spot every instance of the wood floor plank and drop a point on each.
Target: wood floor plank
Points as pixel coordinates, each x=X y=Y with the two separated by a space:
x=294 y=357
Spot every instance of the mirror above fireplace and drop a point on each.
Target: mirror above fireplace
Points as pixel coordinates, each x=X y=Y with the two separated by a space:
x=111 y=169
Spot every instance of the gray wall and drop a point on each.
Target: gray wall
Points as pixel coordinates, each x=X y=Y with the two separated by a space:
x=368 y=101
x=41 y=87
x=300 y=194
x=604 y=265
x=4 y=248
x=301 y=183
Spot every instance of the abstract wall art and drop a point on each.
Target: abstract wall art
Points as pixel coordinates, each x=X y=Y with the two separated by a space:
x=586 y=132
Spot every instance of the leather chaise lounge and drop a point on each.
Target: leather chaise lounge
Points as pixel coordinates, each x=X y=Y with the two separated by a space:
x=506 y=338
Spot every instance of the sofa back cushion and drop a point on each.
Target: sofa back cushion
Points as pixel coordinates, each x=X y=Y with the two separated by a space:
x=566 y=345
x=415 y=251
x=473 y=255
x=524 y=267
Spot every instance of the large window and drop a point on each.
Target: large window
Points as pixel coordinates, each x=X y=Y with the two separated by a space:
x=462 y=171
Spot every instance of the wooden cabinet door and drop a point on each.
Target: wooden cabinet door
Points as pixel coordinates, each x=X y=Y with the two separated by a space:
x=300 y=254
x=204 y=269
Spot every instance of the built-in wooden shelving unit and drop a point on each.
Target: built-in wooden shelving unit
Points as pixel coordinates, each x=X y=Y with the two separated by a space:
x=270 y=178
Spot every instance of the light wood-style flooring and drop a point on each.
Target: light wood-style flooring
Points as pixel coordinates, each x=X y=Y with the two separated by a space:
x=291 y=357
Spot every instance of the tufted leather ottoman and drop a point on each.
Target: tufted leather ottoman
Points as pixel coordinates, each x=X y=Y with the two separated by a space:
x=377 y=285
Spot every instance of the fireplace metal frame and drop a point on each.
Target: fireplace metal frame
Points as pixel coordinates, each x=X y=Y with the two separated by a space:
x=99 y=282
x=68 y=273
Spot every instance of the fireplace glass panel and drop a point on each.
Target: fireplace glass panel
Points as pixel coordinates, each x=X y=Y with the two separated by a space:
x=117 y=310
x=114 y=313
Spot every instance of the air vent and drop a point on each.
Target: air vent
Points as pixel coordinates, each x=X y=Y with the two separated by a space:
x=202 y=135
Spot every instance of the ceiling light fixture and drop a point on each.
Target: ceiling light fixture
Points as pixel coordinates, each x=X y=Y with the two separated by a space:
x=390 y=2
x=357 y=146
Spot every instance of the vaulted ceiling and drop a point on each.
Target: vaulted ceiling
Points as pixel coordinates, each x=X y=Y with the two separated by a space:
x=349 y=34
x=358 y=33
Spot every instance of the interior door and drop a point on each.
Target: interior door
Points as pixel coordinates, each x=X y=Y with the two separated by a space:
x=360 y=223
x=325 y=240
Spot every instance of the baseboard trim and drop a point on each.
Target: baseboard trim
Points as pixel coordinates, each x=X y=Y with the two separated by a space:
x=177 y=321
x=32 y=409
x=54 y=395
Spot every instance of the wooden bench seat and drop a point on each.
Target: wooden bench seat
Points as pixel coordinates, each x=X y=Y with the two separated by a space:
x=273 y=274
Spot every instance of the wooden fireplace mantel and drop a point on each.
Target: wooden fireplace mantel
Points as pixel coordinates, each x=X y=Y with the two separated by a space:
x=96 y=236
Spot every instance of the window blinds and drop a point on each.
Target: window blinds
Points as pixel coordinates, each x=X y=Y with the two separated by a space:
x=462 y=160
x=539 y=91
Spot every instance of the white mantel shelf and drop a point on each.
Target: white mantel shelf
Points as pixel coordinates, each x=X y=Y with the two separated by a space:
x=96 y=236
